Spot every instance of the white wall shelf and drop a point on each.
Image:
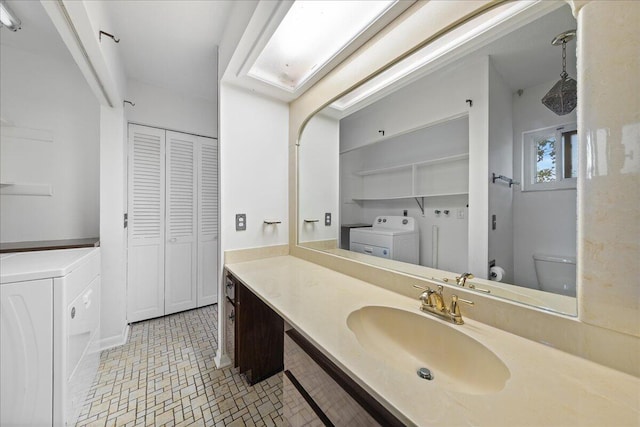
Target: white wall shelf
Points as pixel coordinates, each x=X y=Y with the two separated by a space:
x=466 y=193
x=409 y=166
x=444 y=176
x=17 y=189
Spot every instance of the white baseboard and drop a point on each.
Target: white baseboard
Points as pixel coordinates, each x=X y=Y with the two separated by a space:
x=116 y=340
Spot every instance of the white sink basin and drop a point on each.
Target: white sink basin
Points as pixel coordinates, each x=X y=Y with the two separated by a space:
x=409 y=341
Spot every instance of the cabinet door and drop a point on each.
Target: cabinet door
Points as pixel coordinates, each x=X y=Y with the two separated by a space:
x=181 y=231
x=146 y=233
x=208 y=222
x=259 y=337
x=26 y=353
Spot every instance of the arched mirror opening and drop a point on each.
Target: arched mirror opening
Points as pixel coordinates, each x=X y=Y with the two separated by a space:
x=457 y=167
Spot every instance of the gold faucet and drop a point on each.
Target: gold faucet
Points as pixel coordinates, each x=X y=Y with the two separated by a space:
x=432 y=301
x=462 y=279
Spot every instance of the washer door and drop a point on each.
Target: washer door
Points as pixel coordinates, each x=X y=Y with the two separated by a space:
x=378 y=251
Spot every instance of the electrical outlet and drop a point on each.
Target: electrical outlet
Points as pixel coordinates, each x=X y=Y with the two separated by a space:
x=460 y=213
x=241 y=222
x=327 y=219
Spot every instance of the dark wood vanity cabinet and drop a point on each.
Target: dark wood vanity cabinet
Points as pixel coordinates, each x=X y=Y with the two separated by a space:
x=316 y=391
x=259 y=342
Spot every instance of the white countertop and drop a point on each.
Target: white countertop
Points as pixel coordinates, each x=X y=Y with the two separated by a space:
x=22 y=266
x=546 y=386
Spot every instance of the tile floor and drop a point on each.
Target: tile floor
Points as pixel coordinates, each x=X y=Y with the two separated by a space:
x=165 y=375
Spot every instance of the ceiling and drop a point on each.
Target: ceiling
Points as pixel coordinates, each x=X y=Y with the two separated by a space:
x=519 y=47
x=171 y=44
x=526 y=57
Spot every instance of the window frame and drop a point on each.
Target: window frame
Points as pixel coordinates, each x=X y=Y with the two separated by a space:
x=529 y=158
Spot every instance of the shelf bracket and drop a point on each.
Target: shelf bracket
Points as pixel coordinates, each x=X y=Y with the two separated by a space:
x=420 y=205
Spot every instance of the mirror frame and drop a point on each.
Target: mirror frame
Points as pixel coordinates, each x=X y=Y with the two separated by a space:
x=601 y=322
x=562 y=304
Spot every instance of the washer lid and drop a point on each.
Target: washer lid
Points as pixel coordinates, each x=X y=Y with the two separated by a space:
x=36 y=265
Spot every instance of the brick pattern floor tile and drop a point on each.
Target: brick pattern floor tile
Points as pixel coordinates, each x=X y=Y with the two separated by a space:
x=165 y=376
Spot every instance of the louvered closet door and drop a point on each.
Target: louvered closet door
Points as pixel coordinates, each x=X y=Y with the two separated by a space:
x=208 y=223
x=146 y=233
x=181 y=238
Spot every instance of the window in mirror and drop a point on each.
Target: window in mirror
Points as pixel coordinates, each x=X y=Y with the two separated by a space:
x=570 y=146
x=550 y=158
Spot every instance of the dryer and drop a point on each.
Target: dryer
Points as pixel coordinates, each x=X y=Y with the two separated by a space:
x=392 y=237
x=49 y=334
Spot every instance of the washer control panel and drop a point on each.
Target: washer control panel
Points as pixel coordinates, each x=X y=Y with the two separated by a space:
x=404 y=223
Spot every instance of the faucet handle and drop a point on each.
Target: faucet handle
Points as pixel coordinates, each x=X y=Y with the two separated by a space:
x=455 y=308
x=425 y=295
x=462 y=279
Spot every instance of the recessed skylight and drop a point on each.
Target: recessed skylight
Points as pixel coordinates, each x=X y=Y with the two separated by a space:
x=430 y=53
x=310 y=35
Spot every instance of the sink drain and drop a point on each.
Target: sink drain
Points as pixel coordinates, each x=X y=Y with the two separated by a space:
x=425 y=373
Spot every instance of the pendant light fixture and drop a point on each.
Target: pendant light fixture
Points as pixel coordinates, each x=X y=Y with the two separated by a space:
x=563 y=96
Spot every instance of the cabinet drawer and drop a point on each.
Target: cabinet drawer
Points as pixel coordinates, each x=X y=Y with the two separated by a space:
x=338 y=397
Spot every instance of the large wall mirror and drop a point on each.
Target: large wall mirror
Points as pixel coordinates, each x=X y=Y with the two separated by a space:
x=452 y=164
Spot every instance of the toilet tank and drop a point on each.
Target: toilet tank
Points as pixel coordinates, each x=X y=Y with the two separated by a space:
x=556 y=273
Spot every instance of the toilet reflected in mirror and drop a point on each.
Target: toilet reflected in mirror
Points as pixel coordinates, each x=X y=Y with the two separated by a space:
x=556 y=274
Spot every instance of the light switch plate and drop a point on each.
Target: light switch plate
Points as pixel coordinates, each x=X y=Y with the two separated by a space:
x=241 y=222
x=327 y=219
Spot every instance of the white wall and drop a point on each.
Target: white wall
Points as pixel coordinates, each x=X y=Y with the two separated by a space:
x=89 y=18
x=234 y=31
x=439 y=97
x=501 y=163
x=113 y=313
x=160 y=107
x=318 y=184
x=253 y=168
x=543 y=221
x=40 y=92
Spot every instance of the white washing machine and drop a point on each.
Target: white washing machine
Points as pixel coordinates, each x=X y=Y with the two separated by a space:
x=392 y=237
x=49 y=334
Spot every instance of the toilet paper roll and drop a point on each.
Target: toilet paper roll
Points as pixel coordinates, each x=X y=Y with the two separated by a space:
x=496 y=273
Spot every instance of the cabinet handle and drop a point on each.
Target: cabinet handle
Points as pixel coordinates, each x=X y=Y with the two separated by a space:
x=73 y=312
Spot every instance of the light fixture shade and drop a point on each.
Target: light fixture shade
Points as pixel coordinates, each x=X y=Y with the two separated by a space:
x=563 y=96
